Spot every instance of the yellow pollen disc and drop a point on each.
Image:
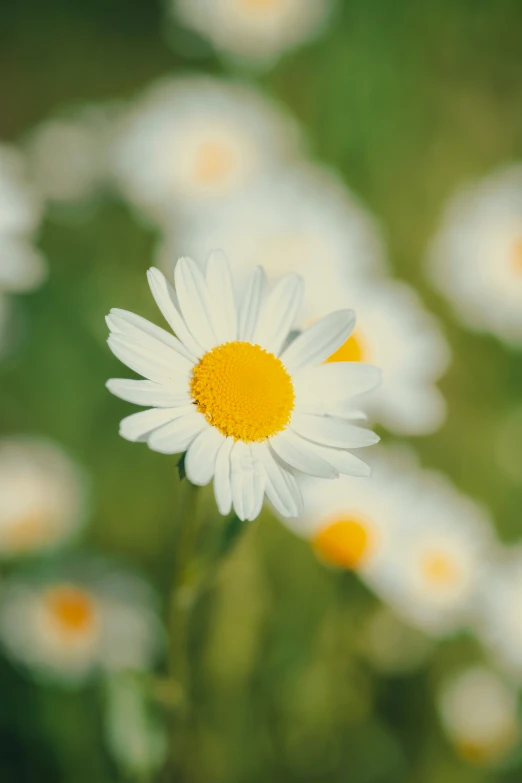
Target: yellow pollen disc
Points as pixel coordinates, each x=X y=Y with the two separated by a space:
x=439 y=569
x=243 y=391
x=353 y=350
x=28 y=533
x=517 y=256
x=213 y=162
x=487 y=752
x=71 y=608
x=345 y=542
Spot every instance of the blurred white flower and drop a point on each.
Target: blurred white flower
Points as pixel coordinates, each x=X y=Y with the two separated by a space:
x=301 y=220
x=500 y=622
x=475 y=259
x=74 y=620
x=189 y=144
x=417 y=542
x=254 y=30
x=479 y=714
x=251 y=409
x=42 y=496
x=67 y=154
x=22 y=267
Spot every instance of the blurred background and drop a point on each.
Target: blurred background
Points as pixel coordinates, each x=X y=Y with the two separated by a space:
x=376 y=149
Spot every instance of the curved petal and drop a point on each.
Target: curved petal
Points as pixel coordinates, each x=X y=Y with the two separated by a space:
x=138 y=426
x=221 y=297
x=177 y=435
x=279 y=313
x=321 y=389
x=344 y=461
x=259 y=482
x=331 y=431
x=150 y=339
x=200 y=462
x=130 y=324
x=281 y=487
x=156 y=395
x=320 y=340
x=252 y=302
x=222 y=488
x=302 y=455
x=150 y=364
x=194 y=301
x=242 y=479
x=165 y=297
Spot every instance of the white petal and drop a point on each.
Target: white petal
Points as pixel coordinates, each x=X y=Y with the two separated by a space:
x=320 y=340
x=157 y=395
x=194 y=301
x=130 y=324
x=281 y=487
x=150 y=364
x=279 y=313
x=165 y=298
x=200 y=461
x=222 y=488
x=221 y=297
x=331 y=431
x=242 y=479
x=302 y=455
x=177 y=435
x=138 y=426
x=344 y=461
x=329 y=387
x=253 y=299
x=259 y=481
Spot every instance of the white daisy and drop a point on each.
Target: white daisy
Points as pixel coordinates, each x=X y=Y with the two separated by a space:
x=42 y=497
x=254 y=30
x=22 y=268
x=67 y=155
x=250 y=408
x=302 y=220
x=500 y=623
x=479 y=713
x=79 y=619
x=189 y=144
x=475 y=259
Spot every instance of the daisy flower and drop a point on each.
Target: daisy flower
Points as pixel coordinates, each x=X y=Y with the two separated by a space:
x=251 y=407
x=189 y=144
x=42 y=497
x=285 y=225
x=67 y=155
x=500 y=622
x=479 y=714
x=257 y=31
x=22 y=268
x=475 y=260
x=74 y=620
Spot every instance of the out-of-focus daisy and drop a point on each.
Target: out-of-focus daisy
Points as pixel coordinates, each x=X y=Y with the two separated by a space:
x=303 y=220
x=42 y=497
x=475 y=259
x=22 y=268
x=250 y=408
x=67 y=154
x=254 y=30
x=500 y=623
x=78 y=619
x=479 y=714
x=191 y=143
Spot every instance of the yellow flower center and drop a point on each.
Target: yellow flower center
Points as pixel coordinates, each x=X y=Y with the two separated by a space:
x=28 y=532
x=243 y=391
x=345 y=542
x=495 y=748
x=353 y=350
x=439 y=569
x=517 y=256
x=213 y=162
x=71 y=608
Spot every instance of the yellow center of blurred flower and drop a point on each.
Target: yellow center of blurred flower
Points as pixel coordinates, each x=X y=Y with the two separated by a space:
x=353 y=350
x=71 y=608
x=213 y=162
x=243 y=391
x=490 y=751
x=346 y=542
x=517 y=256
x=28 y=532
x=439 y=569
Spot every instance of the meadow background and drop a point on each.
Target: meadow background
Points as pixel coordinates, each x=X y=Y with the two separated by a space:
x=406 y=101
